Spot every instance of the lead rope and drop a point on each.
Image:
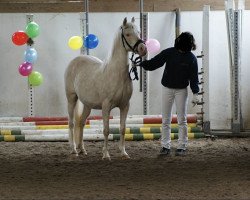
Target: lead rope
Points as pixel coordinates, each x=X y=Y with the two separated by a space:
x=133 y=69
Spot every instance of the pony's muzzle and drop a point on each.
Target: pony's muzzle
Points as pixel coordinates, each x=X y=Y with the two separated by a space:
x=142 y=49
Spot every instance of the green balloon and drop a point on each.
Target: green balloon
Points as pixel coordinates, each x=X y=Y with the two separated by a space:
x=32 y=29
x=35 y=78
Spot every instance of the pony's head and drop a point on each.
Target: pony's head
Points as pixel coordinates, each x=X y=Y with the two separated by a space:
x=131 y=38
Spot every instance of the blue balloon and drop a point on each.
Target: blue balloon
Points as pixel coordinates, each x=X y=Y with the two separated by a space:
x=30 y=55
x=91 y=41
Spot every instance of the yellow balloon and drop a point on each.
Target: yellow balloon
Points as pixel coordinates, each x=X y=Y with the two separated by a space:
x=75 y=42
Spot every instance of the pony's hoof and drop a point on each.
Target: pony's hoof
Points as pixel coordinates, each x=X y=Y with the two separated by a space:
x=73 y=157
x=106 y=158
x=73 y=154
x=73 y=151
x=82 y=151
x=125 y=157
x=105 y=154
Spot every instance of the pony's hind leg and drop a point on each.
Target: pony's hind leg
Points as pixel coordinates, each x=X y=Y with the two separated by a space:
x=81 y=115
x=123 y=117
x=72 y=98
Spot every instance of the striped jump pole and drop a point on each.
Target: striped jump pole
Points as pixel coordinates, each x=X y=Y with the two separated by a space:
x=45 y=127
x=60 y=123
x=90 y=137
x=139 y=127
x=191 y=118
x=150 y=130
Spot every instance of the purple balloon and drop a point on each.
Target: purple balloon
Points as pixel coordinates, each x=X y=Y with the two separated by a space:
x=25 y=69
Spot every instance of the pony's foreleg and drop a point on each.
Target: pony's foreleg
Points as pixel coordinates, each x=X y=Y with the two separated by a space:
x=105 y=115
x=123 y=117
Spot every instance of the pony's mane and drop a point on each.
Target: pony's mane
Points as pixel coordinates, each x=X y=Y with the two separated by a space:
x=111 y=52
x=117 y=37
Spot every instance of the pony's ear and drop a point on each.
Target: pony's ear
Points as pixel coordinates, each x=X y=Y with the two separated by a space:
x=125 y=21
x=133 y=20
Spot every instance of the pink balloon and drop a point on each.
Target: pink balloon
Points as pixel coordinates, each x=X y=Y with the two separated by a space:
x=25 y=69
x=153 y=45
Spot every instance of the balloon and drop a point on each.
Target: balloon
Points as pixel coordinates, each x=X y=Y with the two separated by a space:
x=32 y=29
x=25 y=69
x=153 y=45
x=30 y=55
x=35 y=78
x=19 y=38
x=91 y=41
x=75 y=42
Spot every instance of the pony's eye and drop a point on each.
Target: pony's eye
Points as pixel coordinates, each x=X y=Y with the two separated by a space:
x=127 y=35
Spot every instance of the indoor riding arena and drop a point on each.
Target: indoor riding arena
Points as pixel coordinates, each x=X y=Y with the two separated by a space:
x=83 y=107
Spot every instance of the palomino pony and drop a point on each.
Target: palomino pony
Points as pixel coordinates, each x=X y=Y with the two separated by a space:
x=93 y=84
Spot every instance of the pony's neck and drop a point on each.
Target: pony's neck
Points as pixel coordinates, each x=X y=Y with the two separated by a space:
x=119 y=56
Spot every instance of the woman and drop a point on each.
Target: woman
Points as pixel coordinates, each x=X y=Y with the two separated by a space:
x=181 y=69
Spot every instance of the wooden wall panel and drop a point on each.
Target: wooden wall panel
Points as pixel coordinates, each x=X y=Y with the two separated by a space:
x=24 y=6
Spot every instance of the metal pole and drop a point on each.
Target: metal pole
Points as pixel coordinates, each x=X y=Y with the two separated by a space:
x=82 y=26
x=234 y=29
x=87 y=19
x=205 y=69
x=141 y=11
x=236 y=120
x=177 y=22
x=29 y=18
x=229 y=21
x=145 y=73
